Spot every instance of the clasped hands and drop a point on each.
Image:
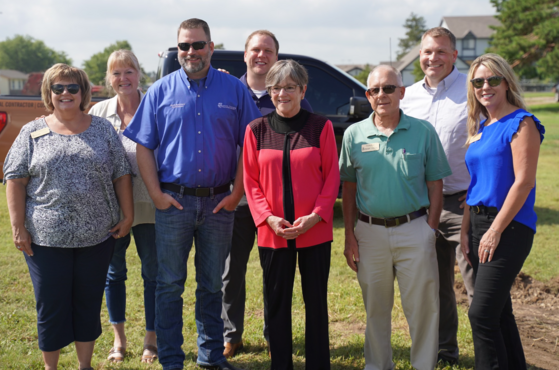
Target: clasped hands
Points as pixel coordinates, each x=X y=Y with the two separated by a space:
x=286 y=230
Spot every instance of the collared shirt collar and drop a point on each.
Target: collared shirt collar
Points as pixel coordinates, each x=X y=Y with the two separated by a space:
x=372 y=130
x=447 y=82
x=112 y=111
x=243 y=79
x=204 y=81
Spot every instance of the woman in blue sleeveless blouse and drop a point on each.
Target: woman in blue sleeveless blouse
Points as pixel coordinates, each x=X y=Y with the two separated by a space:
x=499 y=223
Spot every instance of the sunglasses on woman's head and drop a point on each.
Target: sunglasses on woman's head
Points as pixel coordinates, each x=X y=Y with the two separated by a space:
x=493 y=81
x=198 y=45
x=59 y=88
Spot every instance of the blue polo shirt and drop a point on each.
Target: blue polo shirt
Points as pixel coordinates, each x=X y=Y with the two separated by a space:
x=265 y=104
x=196 y=128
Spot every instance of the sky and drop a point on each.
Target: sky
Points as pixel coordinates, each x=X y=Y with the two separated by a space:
x=335 y=31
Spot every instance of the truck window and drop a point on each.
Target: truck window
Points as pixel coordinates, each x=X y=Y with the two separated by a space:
x=327 y=94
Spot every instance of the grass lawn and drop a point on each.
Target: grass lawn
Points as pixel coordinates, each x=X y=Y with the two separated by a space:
x=18 y=339
x=539 y=94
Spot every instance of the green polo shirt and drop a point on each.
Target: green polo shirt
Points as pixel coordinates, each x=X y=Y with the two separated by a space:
x=391 y=172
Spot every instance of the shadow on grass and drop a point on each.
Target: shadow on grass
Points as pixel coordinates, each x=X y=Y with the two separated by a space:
x=544 y=108
x=547 y=216
x=350 y=356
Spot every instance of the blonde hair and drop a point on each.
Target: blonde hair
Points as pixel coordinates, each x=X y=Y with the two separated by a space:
x=125 y=58
x=62 y=71
x=500 y=67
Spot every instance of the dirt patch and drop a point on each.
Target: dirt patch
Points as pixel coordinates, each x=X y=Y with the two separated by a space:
x=539 y=100
x=536 y=308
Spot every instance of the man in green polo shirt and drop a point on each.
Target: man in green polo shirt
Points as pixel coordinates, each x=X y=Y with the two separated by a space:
x=392 y=166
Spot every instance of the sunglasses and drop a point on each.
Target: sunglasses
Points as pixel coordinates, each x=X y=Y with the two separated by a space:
x=59 y=88
x=197 y=45
x=388 y=89
x=493 y=81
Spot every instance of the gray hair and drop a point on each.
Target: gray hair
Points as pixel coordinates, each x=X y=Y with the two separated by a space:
x=287 y=68
x=389 y=68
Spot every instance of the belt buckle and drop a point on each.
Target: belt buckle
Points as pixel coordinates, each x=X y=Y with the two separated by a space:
x=477 y=210
x=397 y=220
x=202 y=192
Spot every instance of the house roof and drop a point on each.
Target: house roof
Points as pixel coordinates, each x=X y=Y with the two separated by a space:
x=406 y=59
x=478 y=25
x=349 y=67
x=12 y=74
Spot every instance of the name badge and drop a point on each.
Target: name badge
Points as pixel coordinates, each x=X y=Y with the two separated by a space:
x=476 y=138
x=40 y=132
x=370 y=147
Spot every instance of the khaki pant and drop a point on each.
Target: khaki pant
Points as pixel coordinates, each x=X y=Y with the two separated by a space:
x=406 y=252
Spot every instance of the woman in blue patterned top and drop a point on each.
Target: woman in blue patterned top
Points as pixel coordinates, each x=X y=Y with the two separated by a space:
x=499 y=223
x=67 y=180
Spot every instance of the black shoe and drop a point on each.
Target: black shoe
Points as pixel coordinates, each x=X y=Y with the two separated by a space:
x=221 y=366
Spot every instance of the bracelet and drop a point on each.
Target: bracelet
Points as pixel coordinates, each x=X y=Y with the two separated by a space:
x=495 y=231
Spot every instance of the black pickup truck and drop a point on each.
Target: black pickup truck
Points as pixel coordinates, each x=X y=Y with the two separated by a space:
x=331 y=92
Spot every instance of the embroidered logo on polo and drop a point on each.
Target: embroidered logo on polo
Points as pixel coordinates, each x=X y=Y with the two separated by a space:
x=221 y=105
x=180 y=105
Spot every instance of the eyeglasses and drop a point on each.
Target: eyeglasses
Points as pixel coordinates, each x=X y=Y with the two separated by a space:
x=388 y=89
x=493 y=81
x=197 y=45
x=59 y=88
x=290 y=89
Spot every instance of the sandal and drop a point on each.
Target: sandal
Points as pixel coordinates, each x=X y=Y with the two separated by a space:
x=148 y=359
x=116 y=354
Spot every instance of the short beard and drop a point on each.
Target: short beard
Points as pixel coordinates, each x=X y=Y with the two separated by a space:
x=184 y=63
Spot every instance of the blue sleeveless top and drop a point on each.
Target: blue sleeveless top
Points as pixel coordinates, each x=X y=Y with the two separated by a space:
x=489 y=161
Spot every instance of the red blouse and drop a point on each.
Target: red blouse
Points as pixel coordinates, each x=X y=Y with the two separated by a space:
x=315 y=178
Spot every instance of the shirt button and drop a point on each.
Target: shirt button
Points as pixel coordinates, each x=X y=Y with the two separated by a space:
x=199 y=132
x=200 y=170
x=199 y=151
x=198 y=113
x=198 y=95
x=198 y=185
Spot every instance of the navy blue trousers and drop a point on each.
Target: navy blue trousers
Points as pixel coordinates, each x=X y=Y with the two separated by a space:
x=69 y=285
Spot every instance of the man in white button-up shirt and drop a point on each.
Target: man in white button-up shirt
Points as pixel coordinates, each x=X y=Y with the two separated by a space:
x=440 y=98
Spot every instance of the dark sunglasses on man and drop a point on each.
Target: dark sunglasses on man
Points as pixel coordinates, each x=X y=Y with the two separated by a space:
x=197 y=45
x=388 y=89
x=493 y=81
x=59 y=88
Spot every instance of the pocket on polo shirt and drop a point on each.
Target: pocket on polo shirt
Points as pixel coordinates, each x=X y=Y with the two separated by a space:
x=412 y=165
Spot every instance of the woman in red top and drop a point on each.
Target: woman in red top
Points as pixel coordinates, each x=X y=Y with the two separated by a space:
x=291 y=179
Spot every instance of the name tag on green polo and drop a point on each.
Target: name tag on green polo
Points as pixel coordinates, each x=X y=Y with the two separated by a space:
x=370 y=147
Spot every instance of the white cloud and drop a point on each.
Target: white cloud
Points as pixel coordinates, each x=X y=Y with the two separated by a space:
x=335 y=31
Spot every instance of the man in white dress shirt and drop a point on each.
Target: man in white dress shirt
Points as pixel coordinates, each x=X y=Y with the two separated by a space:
x=440 y=98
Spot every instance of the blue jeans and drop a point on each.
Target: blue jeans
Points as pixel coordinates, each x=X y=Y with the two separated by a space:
x=175 y=231
x=115 y=288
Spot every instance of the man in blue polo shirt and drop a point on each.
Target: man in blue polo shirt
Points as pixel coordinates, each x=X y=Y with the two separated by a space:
x=196 y=118
x=261 y=52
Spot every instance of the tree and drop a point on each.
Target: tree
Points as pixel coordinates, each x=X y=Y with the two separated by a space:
x=219 y=46
x=415 y=26
x=528 y=36
x=25 y=54
x=96 y=66
x=417 y=71
x=362 y=76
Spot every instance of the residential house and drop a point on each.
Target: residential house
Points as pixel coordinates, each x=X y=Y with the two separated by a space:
x=353 y=69
x=11 y=82
x=472 y=39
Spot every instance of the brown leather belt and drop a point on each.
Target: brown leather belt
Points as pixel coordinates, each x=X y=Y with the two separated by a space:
x=393 y=221
x=197 y=192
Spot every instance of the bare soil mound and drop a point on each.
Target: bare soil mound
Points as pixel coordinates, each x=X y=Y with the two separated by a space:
x=536 y=308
